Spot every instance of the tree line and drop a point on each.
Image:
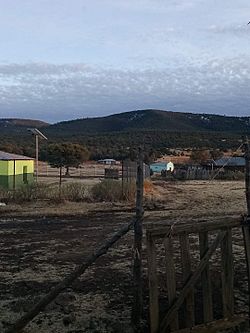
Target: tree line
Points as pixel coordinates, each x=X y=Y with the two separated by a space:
x=122 y=145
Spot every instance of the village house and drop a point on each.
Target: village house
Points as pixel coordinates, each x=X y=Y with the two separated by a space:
x=234 y=163
x=15 y=170
x=160 y=167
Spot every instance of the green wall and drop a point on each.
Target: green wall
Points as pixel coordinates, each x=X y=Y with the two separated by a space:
x=19 y=165
x=11 y=182
x=4 y=168
x=24 y=173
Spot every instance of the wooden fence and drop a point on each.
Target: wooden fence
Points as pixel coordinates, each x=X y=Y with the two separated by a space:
x=208 y=243
x=137 y=225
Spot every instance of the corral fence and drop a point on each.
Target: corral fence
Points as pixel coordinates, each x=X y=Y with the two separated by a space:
x=129 y=170
x=193 y=173
x=85 y=170
x=179 y=313
x=136 y=224
x=201 y=173
x=125 y=170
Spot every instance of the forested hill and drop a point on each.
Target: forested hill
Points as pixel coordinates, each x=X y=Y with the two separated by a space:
x=152 y=120
x=10 y=126
x=113 y=136
x=131 y=121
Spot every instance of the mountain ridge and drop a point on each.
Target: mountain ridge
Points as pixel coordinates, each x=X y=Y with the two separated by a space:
x=130 y=121
x=156 y=120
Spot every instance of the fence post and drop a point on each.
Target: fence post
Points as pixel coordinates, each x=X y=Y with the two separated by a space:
x=137 y=307
x=246 y=227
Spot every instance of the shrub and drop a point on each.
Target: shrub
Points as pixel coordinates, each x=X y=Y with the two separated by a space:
x=24 y=193
x=107 y=190
x=113 y=190
x=75 y=192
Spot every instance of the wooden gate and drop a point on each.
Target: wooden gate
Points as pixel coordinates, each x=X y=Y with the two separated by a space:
x=211 y=235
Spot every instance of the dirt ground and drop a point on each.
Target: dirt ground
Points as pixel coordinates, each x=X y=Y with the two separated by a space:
x=42 y=242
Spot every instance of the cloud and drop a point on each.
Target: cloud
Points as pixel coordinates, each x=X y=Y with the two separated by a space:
x=235 y=29
x=57 y=92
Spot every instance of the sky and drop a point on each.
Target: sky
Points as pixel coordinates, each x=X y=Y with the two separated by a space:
x=67 y=59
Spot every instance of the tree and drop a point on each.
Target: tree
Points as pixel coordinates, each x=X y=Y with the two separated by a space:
x=200 y=156
x=66 y=155
x=216 y=154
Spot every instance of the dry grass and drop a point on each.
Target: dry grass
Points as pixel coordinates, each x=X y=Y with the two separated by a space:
x=36 y=253
x=168 y=199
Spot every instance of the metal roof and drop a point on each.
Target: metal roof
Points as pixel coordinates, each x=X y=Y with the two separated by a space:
x=231 y=161
x=10 y=157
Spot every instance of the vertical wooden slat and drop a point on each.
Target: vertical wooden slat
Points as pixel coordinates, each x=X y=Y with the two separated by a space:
x=186 y=272
x=171 y=313
x=227 y=275
x=171 y=279
x=206 y=281
x=246 y=233
x=153 y=285
x=246 y=228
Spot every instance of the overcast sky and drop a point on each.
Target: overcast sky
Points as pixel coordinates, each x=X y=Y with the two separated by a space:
x=65 y=59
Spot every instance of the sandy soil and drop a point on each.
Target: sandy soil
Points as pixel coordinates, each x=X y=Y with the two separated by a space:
x=38 y=250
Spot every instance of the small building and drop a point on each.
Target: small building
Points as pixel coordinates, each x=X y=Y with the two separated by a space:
x=234 y=163
x=160 y=167
x=107 y=161
x=15 y=170
x=129 y=170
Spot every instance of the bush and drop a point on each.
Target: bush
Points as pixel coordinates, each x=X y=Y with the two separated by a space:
x=25 y=193
x=33 y=192
x=107 y=190
x=113 y=190
x=75 y=192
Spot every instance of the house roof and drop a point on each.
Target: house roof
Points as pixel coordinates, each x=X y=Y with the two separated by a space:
x=231 y=161
x=160 y=163
x=10 y=157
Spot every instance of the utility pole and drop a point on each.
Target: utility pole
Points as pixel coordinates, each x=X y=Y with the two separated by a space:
x=37 y=135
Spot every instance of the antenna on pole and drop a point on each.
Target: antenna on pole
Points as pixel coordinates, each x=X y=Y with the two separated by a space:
x=38 y=134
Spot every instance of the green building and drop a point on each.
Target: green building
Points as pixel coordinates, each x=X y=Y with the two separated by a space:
x=15 y=170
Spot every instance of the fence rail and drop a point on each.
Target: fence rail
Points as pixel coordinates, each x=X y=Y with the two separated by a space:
x=208 y=244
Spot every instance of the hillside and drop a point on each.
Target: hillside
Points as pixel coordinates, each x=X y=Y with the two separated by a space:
x=152 y=120
x=10 y=126
x=140 y=120
x=116 y=136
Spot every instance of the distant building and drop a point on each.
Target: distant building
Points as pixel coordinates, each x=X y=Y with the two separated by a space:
x=159 y=167
x=230 y=163
x=129 y=170
x=15 y=170
x=108 y=161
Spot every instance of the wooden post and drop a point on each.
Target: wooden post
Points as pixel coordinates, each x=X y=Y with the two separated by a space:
x=246 y=227
x=227 y=275
x=171 y=280
x=60 y=182
x=122 y=178
x=186 y=272
x=171 y=314
x=206 y=281
x=137 y=307
x=153 y=285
